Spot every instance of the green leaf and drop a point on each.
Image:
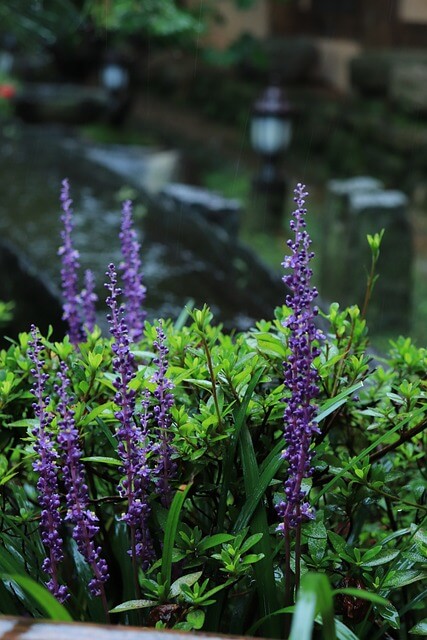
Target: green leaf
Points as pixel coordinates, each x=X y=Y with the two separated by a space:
x=382 y=558
x=343 y=632
x=183 y=317
x=390 y=613
x=317 y=539
x=338 y=543
x=259 y=490
x=314 y=596
x=420 y=535
x=84 y=386
x=251 y=631
x=189 y=580
x=132 y=605
x=96 y=411
x=397 y=579
x=420 y=597
x=362 y=594
x=170 y=533
x=204 y=384
x=213 y=541
x=45 y=600
x=104 y=460
x=420 y=629
x=30 y=423
x=107 y=432
x=332 y=404
x=196 y=618
x=239 y=419
x=264 y=571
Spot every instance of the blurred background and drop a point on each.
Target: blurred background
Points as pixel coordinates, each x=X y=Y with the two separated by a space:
x=206 y=113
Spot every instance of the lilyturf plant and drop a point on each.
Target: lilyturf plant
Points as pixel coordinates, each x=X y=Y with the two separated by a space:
x=269 y=482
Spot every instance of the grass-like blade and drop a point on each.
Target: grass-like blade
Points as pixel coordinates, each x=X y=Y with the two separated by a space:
x=184 y=315
x=273 y=461
x=239 y=419
x=314 y=597
x=170 y=533
x=254 y=628
x=264 y=571
x=44 y=599
x=362 y=594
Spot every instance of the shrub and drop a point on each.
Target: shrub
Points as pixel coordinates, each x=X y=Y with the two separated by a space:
x=149 y=481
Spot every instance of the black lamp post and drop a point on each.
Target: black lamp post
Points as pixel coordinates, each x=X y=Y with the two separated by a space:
x=271 y=131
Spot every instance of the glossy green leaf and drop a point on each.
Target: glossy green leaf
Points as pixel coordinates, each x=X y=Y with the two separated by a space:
x=381 y=558
x=213 y=541
x=389 y=612
x=132 y=605
x=400 y=578
x=188 y=580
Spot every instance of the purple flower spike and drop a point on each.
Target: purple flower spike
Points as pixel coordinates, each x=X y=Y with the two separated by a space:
x=132 y=437
x=46 y=465
x=70 y=267
x=134 y=291
x=89 y=298
x=77 y=494
x=166 y=467
x=301 y=378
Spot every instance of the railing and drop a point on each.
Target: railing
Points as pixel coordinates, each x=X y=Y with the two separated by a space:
x=30 y=629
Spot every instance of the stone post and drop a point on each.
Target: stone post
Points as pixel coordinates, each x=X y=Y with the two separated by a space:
x=390 y=306
x=335 y=233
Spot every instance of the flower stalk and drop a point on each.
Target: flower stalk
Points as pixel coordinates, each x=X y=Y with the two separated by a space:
x=131 y=434
x=70 y=266
x=300 y=377
x=46 y=465
x=79 y=515
x=133 y=290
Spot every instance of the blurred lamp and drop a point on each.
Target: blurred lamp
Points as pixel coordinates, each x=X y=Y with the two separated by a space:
x=271 y=127
x=271 y=131
x=114 y=77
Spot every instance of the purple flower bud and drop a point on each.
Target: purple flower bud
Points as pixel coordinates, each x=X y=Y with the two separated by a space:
x=88 y=299
x=77 y=496
x=132 y=435
x=134 y=291
x=166 y=467
x=46 y=465
x=69 y=269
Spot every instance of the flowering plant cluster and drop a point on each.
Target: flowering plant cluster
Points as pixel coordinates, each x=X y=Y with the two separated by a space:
x=170 y=475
